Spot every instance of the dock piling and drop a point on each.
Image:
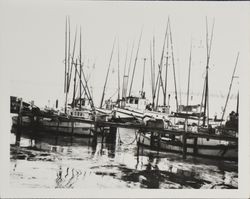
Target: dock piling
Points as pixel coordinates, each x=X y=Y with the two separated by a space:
x=19 y=124
x=184 y=145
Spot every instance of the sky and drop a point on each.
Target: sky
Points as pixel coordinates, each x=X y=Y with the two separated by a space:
x=33 y=39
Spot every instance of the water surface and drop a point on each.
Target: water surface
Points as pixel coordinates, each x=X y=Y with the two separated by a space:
x=46 y=160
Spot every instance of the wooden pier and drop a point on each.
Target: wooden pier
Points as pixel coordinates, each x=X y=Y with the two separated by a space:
x=113 y=125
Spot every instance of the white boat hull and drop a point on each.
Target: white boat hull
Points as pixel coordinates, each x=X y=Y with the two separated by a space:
x=207 y=148
x=68 y=127
x=129 y=113
x=26 y=121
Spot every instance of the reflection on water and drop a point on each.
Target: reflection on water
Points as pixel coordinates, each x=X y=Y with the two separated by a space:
x=45 y=160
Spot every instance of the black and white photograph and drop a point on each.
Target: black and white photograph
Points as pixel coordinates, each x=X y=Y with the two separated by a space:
x=124 y=98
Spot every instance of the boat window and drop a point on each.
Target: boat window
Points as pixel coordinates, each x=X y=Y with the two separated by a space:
x=136 y=101
x=131 y=101
x=71 y=113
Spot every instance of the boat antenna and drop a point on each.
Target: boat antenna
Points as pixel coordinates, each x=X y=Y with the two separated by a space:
x=106 y=79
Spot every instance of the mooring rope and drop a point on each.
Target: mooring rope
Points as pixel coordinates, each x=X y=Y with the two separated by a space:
x=122 y=142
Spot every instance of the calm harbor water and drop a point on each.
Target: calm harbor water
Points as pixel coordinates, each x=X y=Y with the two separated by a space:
x=46 y=160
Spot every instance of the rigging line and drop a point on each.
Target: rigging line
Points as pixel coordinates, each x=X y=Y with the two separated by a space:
x=166 y=80
x=103 y=93
x=74 y=91
x=86 y=85
x=72 y=60
x=111 y=97
x=130 y=62
x=162 y=56
x=135 y=63
x=237 y=105
x=172 y=50
x=68 y=60
x=143 y=74
x=118 y=54
x=160 y=65
x=89 y=98
x=151 y=64
x=224 y=110
x=202 y=98
x=206 y=103
x=158 y=89
x=124 y=73
x=165 y=96
x=154 y=60
x=80 y=62
x=68 y=50
x=189 y=72
x=65 y=64
x=210 y=45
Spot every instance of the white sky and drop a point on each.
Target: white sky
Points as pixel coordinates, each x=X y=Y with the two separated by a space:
x=32 y=44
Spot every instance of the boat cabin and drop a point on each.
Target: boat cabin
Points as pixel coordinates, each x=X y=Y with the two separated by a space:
x=79 y=113
x=134 y=102
x=189 y=109
x=163 y=109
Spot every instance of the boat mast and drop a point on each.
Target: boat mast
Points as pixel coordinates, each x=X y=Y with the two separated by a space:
x=86 y=90
x=118 y=54
x=172 y=50
x=237 y=106
x=124 y=75
x=189 y=70
x=74 y=91
x=224 y=110
x=206 y=104
x=135 y=63
x=153 y=79
x=106 y=79
x=160 y=67
x=67 y=60
x=142 y=87
x=80 y=62
x=72 y=61
x=166 y=74
x=152 y=72
x=65 y=63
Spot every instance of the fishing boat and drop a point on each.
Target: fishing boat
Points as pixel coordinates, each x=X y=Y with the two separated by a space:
x=203 y=147
x=212 y=147
x=134 y=107
x=77 y=117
